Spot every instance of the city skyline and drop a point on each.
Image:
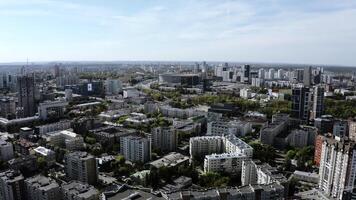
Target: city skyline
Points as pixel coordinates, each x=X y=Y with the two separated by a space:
x=272 y=31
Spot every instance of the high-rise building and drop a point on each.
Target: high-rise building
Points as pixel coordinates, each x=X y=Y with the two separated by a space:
x=6 y=150
x=42 y=188
x=7 y=107
x=318 y=102
x=164 y=138
x=135 y=149
x=245 y=74
x=81 y=166
x=307 y=76
x=26 y=95
x=301 y=103
x=113 y=86
x=12 y=185
x=337 y=171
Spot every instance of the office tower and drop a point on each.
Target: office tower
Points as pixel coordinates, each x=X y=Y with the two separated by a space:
x=7 y=108
x=337 y=171
x=6 y=150
x=12 y=185
x=301 y=103
x=81 y=166
x=318 y=102
x=26 y=95
x=42 y=188
x=76 y=190
x=113 y=87
x=307 y=76
x=135 y=148
x=245 y=74
x=164 y=138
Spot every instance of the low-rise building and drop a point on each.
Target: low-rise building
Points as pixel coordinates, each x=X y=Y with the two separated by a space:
x=171 y=160
x=42 y=188
x=76 y=190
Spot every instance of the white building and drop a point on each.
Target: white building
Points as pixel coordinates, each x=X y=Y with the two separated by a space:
x=135 y=149
x=164 y=138
x=337 y=171
x=67 y=139
x=42 y=188
x=81 y=166
x=229 y=150
x=245 y=93
x=225 y=162
x=262 y=174
x=131 y=93
x=6 y=150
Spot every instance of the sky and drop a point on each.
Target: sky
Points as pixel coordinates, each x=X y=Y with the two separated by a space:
x=283 y=31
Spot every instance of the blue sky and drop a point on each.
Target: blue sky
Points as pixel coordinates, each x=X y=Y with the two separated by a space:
x=290 y=31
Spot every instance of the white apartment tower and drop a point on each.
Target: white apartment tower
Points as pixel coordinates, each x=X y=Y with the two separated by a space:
x=135 y=148
x=337 y=171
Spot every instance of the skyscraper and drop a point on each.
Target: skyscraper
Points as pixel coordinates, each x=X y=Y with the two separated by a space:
x=307 y=77
x=26 y=95
x=245 y=74
x=301 y=103
x=318 y=102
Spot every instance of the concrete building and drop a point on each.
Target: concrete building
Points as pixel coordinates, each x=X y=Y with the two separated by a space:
x=113 y=86
x=245 y=74
x=81 y=166
x=225 y=162
x=307 y=76
x=164 y=138
x=47 y=154
x=6 y=150
x=187 y=80
x=341 y=128
x=273 y=191
x=42 y=188
x=238 y=128
x=261 y=174
x=7 y=108
x=318 y=102
x=279 y=124
x=337 y=171
x=12 y=185
x=222 y=153
x=26 y=96
x=135 y=149
x=76 y=190
x=171 y=160
x=68 y=139
x=52 y=109
x=352 y=130
x=301 y=137
x=53 y=127
x=130 y=93
x=301 y=103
